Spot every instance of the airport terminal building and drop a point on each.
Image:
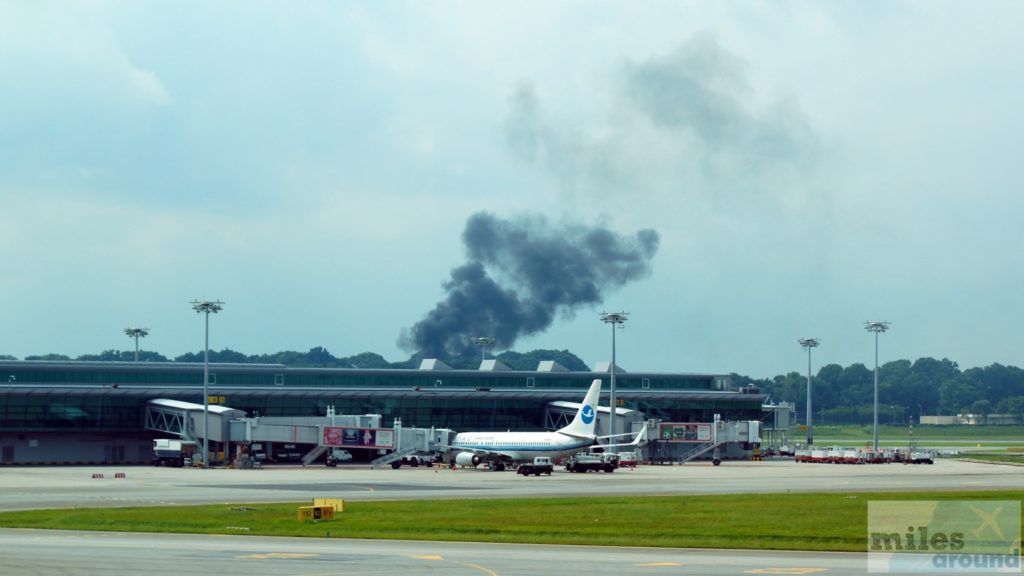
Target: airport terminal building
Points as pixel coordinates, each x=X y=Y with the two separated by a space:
x=90 y=412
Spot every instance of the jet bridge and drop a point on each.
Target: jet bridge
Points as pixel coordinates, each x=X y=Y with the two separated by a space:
x=185 y=419
x=362 y=435
x=681 y=442
x=308 y=436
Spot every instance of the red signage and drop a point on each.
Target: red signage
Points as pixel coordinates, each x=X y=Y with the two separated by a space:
x=359 y=437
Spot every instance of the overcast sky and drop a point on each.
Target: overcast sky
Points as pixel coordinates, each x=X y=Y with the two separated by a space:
x=806 y=166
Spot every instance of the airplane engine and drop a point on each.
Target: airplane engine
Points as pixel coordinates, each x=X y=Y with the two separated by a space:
x=467 y=459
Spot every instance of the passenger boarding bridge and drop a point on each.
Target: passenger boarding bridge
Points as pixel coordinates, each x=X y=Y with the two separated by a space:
x=364 y=436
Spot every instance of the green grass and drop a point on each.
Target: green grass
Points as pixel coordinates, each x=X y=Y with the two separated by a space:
x=753 y=521
x=891 y=433
x=1009 y=457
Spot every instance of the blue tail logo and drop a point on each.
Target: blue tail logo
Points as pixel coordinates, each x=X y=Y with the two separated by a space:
x=587 y=414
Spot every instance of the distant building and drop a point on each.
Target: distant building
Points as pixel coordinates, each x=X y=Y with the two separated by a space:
x=95 y=411
x=971 y=420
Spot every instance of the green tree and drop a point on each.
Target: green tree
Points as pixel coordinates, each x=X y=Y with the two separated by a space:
x=49 y=358
x=826 y=387
x=122 y=356
x=982 y=408
x=366 y=360
x=957 y=394
x=920 y=389
x=530 y=360
x=856 y=386
x=1013 y=406
x=892 y=378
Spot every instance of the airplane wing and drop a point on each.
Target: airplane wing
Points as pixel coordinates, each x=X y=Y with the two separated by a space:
x=641 y=437
x=484 y=454
x=606 y=436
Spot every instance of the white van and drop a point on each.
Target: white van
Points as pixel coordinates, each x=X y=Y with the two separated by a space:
x=338 y=455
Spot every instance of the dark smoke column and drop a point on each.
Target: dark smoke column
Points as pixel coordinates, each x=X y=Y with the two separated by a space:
x=521 y=274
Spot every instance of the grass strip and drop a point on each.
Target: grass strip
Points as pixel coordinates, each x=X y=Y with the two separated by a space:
x=889 y=433
x=996 y=458
x=750 y=521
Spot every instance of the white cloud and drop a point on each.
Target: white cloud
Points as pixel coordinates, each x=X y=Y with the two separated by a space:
x=807 y=165
x=70 y=47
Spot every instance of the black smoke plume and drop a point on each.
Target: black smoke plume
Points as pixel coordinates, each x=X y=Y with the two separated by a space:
x=521 y=274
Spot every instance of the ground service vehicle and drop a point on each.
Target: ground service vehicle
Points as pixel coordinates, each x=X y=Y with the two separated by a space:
x=167 y=452
x=627 y=460
x=592 y=461
x=337 y=455
x=417 y=459
x=540 y=465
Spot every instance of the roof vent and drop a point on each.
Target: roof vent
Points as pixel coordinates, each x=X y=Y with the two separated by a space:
x=550 y=366
x=433 y=364
x=493 y=365
x=606 y=367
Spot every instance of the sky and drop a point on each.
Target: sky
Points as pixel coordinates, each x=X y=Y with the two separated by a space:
x=758 y=172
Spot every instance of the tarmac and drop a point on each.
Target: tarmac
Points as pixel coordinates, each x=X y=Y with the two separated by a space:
x=102 y=553
x=24 y=488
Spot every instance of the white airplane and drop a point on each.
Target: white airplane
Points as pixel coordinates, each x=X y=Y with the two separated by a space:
x=501 y=448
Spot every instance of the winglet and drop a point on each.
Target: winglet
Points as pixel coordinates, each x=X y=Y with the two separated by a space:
x=585 y=422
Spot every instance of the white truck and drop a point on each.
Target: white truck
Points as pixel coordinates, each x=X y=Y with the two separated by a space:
x=585 y=462
x=540 y=465
x=170 y=452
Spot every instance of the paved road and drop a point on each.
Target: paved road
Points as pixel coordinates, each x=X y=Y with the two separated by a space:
x=44 y=553
x=54 y=552
x=64 y=487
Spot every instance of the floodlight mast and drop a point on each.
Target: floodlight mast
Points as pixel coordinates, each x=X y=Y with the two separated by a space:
x=807 y=344
x=137 y=333
x=876 y=327
x=483 y=342
x=206 y=307
x=616 y=319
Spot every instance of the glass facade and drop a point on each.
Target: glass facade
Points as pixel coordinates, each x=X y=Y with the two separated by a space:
x=111 y=397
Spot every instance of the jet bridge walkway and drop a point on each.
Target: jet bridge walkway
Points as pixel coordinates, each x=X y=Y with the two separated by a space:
x=185 y=419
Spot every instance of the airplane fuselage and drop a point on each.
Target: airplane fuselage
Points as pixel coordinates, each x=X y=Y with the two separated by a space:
x=522 y=446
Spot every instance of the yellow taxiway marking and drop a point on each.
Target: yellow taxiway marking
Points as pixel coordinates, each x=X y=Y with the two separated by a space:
x=278 y=556
x=479 y=567
x=661 y=564
x=797 y=570
x=467 y=564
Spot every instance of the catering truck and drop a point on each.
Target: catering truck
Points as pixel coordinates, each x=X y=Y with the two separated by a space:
x=601 y=461
x=168 y=452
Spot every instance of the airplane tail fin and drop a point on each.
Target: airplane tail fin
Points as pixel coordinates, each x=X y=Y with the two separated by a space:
x=585 y=422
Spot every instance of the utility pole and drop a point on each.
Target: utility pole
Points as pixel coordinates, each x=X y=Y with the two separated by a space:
x=137 y=333
x=876 y=327
x=206 y=307
x=616 y=319
x=483 y=342
x=807 y=344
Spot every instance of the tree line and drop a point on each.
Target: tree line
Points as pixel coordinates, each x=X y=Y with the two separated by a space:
x=905 y=389
x=840 y=394
x=319 y=357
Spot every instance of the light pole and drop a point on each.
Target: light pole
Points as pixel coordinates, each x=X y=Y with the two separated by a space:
x=137 y=333
x=807 y=344
x=876 y=327
x=205 y=307
x=483 y=342
x=615 y=319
